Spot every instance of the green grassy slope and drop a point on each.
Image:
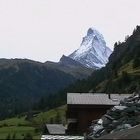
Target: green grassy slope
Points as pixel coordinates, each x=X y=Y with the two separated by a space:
x=21 y=126
x=133 y=75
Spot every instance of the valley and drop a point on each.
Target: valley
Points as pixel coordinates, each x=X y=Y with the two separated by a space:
x=20 y=126
x=33 y=94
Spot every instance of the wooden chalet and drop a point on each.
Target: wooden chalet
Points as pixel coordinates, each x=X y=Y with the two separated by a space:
x=55 y=129
x=83 y=108
x=57 y=132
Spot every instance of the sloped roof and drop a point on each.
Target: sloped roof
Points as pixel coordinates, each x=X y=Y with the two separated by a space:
x=95 y=98
x=58 y=137
x=56 y=129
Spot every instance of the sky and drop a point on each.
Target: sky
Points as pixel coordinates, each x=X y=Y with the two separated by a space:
x=44 y=30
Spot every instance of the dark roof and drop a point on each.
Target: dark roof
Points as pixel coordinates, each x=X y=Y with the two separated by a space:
x=95 y=99
x=56 y=129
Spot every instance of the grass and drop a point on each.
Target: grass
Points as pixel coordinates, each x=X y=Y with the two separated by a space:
x=45 y=117
x=129 y=69
x=14 y=121
x=21 y=126
x=19 y=131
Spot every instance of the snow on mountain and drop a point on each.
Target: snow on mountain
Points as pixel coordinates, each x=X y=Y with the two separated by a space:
x=93 y=52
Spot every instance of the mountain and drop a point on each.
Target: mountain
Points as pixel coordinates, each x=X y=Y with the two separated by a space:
x=120 y=75
x=122 y=72
x=70 y=66
x=23 y=82
x=93 y=52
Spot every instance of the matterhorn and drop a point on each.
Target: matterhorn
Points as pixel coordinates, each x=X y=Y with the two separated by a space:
x=93 y=51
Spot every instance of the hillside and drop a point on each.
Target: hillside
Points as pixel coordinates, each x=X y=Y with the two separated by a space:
x=122 y=72
x=70 y=66
x=22 y=125
x=23 y=82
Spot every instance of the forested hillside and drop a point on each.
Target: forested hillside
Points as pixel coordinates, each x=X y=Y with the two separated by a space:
x=121 y=74
x=24 y=82
x=32 y=79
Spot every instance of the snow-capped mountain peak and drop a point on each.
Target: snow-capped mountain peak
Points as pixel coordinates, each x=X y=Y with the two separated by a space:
x=93 y=51
x=94 y=32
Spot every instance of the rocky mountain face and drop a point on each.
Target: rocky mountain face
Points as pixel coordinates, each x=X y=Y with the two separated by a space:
x=93 y=52
x=70 y=66
x=124 y=116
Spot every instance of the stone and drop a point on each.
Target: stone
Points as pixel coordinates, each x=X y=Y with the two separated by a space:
x=120 y=117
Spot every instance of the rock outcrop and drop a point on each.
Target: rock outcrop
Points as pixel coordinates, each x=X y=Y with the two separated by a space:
x=124 y=116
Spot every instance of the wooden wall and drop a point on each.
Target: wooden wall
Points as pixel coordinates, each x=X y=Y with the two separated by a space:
x=85 y=114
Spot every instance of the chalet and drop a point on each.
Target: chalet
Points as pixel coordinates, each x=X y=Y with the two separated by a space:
x=57 y=132
x=55 y=129
x=83 y=108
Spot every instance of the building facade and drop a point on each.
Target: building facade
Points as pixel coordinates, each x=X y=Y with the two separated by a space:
x=83 y=108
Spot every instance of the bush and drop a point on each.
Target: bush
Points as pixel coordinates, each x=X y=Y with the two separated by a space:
x=8 y=137
x=5 y=125
x=136 y=62
x=28 y=136
x=14 y=136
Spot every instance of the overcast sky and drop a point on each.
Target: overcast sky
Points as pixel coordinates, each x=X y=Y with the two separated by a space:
x=46 y=29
